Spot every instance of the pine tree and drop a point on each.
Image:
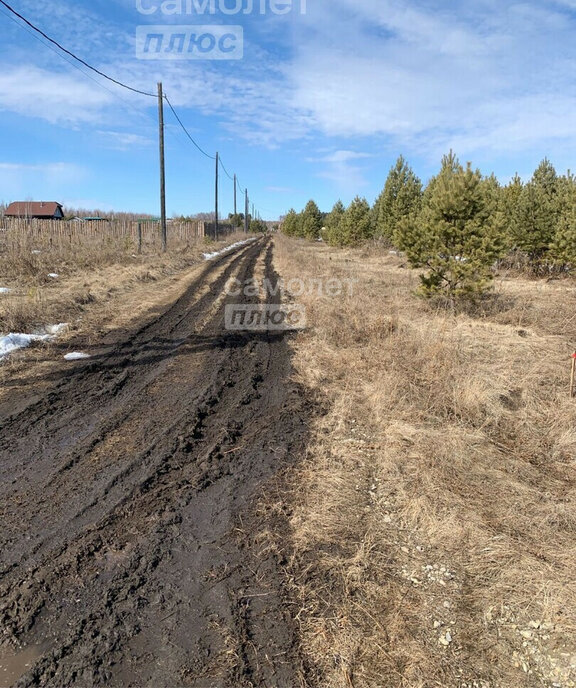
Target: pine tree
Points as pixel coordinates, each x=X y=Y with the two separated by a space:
x=355 y=225
x=566 y=189
x=311 y=221
x=332 y=223
x=401 y=196
x=458 y=235
x=258 y=226
x=545 y=176
x=537 y=213
x=292 y=223
x=510 y=199
x=236 y=220
x=449 y=166
x=534 y=222
x=406 y=235
x=563 y=247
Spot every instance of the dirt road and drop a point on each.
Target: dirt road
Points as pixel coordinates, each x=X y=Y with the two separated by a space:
x=129 y=543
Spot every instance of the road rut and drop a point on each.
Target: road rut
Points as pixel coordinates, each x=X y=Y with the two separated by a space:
x=129 y=532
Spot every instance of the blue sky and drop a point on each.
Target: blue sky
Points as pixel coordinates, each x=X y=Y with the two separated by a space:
x=325 y=98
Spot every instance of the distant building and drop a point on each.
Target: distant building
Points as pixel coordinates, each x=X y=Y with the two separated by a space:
x=41 y=210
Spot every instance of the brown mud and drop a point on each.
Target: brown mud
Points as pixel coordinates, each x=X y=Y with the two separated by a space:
x=129 y=547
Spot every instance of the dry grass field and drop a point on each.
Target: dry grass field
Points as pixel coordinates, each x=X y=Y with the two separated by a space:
x=432 y=521
x=99 y=286
x=433 y=518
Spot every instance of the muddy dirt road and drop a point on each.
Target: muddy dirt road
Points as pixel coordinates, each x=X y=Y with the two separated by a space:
x=129 y=548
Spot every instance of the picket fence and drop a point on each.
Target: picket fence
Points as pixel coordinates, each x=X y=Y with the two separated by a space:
x=18 y=233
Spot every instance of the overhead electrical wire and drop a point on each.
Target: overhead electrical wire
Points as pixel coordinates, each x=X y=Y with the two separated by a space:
x=75 y=57
x=212 y=157
x=75 y=65
x=226 y=171
x=50 y=47
x=53 y=42
x=240 y=186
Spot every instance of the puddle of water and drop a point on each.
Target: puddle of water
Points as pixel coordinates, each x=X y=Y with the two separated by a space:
x=15 y=663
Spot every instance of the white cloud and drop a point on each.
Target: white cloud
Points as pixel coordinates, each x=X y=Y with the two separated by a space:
x=341 y=157
x=122 y=140
x=53 y=96
x=339 y=168
x=279 y=189
x=485 y=75
x=58 y=171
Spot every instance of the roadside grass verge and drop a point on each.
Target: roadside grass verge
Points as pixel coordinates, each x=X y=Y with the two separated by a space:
x=95 y=291
x=47 y=283
x=433 y=518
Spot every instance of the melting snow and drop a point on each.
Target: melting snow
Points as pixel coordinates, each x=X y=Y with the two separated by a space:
x=210 y=256
x=5 y=290
x=56 y=329
x=53 y=275
x=14 y=341
x=76 y=356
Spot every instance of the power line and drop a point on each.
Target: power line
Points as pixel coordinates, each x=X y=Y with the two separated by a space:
x=55 y=51
x=105 y=76
x=76 y=66
x=226 y=171
x=184 y=128
x=75 y=57
x=240 y=186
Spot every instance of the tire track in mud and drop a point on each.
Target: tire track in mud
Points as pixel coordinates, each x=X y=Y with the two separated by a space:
x=124 y=425
x=51 y=425
x=136 y=563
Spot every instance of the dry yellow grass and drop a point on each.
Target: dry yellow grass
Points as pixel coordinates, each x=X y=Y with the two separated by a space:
x=96 y=291
x=433 y=528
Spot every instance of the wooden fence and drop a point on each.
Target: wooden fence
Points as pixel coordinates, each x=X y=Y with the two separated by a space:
x=16 y=233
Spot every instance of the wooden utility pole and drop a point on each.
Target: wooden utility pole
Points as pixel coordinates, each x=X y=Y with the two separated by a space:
x=162 y=168
x=235 y=213
x=216 y=203
x=246 y=204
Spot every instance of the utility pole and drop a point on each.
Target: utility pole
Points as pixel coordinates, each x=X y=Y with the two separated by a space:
x=246 y=213
x=216 y=204
x=235 y=213
x=162 y=169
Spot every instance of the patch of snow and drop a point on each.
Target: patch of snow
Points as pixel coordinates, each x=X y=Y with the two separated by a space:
x=211 y=256
x=5 y=290
x=36 y=252
x=56 y=329
x=76 y=356
x=13 y=341
x=53 y=275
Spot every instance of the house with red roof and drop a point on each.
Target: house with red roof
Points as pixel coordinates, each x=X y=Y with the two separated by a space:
x=41 y=210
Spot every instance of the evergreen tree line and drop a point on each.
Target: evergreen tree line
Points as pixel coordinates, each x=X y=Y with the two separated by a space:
x=459 y=225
